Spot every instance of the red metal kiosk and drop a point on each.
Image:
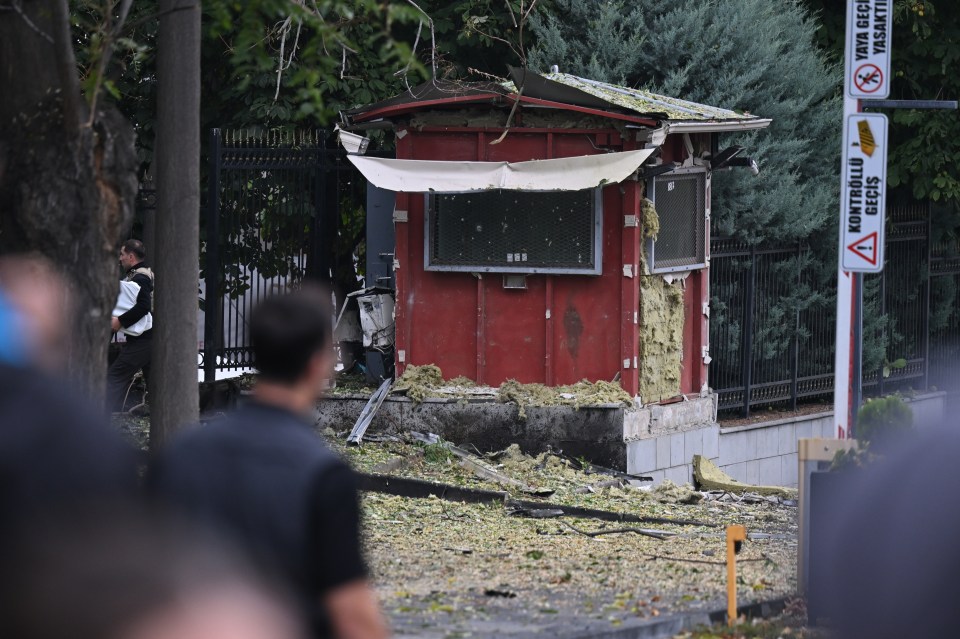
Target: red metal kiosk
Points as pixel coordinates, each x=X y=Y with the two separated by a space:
x=500 y=275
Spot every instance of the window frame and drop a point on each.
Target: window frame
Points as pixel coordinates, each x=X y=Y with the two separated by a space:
x=651 y=243
x=597 y=247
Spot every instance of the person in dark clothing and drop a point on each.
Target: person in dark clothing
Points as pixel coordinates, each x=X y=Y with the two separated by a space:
x=58 y=458
x=135 y=354
x=137 y=574
x=56 y=451
x=264 y=476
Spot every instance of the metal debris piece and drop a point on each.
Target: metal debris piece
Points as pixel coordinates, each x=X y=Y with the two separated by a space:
x=595 y=469
x=516 y=510
x=592 y=488
x=646 y=532
x=368 y=413
x=419 y=488
x=376 y=438
x=425 y=438
x=483 y=471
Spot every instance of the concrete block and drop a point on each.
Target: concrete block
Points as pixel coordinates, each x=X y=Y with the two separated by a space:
x=711 y=441
x=828 y=431
x=692 y=444
x=736 y=471
x=676 y=449
x=788 y=439
x=751 y=452
x=681 y=416
x=804 y=430
x=816 y=428
x=789 y=470
x=929 y=411
x=657 y=475
x=636 y=424
x=733 y=448
x=823 y=427
x=770 y=471
x=641 y=456
x=768 y=441
x=680 y=474
x=663 y=452
x=753 y=472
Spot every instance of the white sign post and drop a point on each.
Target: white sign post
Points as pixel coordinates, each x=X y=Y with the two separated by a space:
x=867 y=76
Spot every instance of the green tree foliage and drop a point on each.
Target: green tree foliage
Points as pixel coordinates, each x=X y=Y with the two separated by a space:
x=750 y=55
x=336 y=54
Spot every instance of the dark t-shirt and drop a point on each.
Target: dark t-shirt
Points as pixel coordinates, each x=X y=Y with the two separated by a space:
x=56 y=451
x=263 y=477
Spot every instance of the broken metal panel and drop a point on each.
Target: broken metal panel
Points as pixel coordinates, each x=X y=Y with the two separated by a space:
x=562 y=174
x=369 y=412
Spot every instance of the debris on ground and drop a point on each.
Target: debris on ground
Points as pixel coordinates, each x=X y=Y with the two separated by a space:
x=667 y=492
x=710 y=477
x=515 y=566
x=561 y=569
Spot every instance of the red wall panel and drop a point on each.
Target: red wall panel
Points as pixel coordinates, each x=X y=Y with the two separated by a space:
x=561 y=328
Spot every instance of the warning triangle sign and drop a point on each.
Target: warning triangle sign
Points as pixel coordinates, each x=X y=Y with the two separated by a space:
x=866 y=247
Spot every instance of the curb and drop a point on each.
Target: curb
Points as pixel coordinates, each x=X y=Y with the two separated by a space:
x=675 y=624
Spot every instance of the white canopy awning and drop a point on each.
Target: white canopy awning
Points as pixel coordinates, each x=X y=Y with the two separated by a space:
x=562 y=174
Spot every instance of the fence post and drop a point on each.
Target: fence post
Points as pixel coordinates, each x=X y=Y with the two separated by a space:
x=883 y=312
x=318 y=266
x=748 y=333
x=925 y=331
x=795 y=364
x=211 y=307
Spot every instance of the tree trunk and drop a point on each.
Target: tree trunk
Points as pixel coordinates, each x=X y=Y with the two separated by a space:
x=67 y=184
x=174 y=400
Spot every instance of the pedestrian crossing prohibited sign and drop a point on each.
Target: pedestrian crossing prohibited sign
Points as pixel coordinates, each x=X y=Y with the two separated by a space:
x=863 y=192
x=867 y=52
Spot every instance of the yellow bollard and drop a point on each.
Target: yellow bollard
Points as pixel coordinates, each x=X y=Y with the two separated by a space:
x=734 y=534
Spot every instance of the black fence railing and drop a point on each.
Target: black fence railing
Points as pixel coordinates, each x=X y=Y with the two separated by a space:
x=273 y=206
x=772 y=330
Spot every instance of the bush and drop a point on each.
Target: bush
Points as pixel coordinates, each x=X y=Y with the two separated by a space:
x=882 y=418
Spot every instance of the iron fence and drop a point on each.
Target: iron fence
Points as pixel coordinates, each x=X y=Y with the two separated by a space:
x=273 y=206
x=772 y=328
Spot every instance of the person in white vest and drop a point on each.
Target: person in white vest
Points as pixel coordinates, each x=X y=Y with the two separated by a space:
x=132 y=316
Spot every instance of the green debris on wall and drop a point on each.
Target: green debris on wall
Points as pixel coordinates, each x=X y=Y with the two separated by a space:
x=420 y=382
x=660 y=325
x=583 y=393
x=417 y=381
x=649 y=219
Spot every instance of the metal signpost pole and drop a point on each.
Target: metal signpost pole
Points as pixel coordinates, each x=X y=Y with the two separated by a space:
x=862 y=192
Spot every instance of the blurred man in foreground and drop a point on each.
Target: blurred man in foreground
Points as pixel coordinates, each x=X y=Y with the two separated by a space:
x=56 y=451
x=128 y=574
x=263 y=476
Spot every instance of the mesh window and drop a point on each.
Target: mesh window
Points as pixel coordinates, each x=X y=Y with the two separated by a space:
x=513 y=231
x=680 y=200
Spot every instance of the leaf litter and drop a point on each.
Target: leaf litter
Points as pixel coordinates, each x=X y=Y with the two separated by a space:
x=435 y=562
